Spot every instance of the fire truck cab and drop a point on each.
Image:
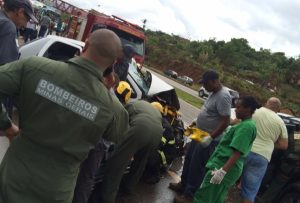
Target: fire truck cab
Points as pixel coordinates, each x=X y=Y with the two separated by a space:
x=129 y=33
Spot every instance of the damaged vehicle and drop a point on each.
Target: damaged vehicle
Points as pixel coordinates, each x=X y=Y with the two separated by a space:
x=144 y=84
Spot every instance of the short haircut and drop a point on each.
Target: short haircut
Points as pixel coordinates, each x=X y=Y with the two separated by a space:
x=249 y=101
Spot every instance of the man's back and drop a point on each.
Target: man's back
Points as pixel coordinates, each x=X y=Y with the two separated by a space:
x=64 y=110
x=269 y=128
x=140 y=111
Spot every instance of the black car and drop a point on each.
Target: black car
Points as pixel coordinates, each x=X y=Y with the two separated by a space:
x=171 y=73
x=290 y=120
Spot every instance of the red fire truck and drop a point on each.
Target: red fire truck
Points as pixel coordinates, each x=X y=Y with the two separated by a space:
x=129 y=33
x=82 y=23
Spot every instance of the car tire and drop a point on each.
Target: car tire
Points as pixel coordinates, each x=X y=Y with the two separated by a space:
x=290 y=196
x=201 y=93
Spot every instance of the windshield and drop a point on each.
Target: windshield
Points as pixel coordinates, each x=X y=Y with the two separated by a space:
x=136 y=42
x=138 y=77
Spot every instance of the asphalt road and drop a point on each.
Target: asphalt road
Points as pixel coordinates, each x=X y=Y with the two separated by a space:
x=175 y=84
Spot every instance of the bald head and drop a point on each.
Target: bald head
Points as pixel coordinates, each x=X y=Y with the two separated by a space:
x=274 y=104
x=103 y=47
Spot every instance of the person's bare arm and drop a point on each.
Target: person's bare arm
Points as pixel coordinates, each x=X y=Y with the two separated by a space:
x=219 y=174
x=225 y=120
x=231 y=161
x=281 y=143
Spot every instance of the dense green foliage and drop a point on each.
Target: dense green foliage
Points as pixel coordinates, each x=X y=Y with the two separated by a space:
x=272 y=74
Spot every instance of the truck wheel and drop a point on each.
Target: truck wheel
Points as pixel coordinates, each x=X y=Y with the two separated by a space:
x=201 y=93
x=290 y=197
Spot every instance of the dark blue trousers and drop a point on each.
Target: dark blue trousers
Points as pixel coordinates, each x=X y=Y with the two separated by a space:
x=194 y=166
x=86 y=177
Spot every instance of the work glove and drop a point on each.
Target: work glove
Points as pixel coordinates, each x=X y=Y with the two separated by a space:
x=195 y=133
x=218 y=176
x=206 y=141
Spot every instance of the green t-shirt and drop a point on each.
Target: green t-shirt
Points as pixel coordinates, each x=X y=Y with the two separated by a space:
x=240 y=138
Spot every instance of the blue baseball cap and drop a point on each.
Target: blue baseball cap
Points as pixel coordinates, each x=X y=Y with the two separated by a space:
x=25 y=4
x=209 y=75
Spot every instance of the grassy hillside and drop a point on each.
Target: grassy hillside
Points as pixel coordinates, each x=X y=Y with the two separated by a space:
x=239 y=65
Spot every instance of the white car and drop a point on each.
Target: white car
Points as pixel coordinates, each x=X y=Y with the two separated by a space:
x=234 y=94
x=145 y=85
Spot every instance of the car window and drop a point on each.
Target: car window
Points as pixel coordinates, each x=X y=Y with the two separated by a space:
x=138 y=77
x=61 y=52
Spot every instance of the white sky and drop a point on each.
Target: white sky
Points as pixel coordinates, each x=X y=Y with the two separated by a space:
x=270 y=24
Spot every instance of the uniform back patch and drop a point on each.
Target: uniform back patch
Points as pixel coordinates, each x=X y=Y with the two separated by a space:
x=66 y=99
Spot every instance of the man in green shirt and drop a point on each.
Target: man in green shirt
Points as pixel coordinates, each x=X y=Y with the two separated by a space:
x=225 y=165
x=271 y=133
x=64 y=111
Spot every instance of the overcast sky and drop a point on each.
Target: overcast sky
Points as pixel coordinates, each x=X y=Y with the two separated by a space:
x=270 y=24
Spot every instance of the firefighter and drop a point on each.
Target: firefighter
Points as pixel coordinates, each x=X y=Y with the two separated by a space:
x=165 y=153
x=140 y=140
x=88 y=169
x=65 y=109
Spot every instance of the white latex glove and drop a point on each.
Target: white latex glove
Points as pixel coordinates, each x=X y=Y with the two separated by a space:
x=218 y=176
x=206 y=141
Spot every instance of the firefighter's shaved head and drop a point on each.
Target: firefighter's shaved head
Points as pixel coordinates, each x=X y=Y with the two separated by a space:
x=103 y=47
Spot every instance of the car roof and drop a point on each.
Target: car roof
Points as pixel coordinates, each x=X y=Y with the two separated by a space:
x=224 y=87
x=229 y=89
x=59 y=38
x=285 y=115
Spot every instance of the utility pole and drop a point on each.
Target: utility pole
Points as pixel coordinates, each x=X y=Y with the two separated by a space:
x=144 y=23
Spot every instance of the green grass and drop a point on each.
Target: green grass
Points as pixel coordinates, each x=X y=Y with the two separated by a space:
x=196 y=102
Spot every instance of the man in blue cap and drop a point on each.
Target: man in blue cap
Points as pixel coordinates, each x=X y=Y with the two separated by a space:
x=15 y=15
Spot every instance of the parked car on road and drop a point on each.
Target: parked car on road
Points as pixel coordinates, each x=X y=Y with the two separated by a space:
x=171 y=73
x=185 y=79
x=203 y=93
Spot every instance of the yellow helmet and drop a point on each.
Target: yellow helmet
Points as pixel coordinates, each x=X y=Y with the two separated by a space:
x=123 y=92
x=158 y=106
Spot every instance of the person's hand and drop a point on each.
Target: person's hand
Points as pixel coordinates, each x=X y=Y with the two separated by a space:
x=12 y=131
x=218 y=176
x=109 y=80
x=206 y=141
